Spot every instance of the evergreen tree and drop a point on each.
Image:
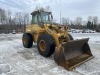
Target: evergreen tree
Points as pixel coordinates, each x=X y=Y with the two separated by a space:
x=89 y=25
x=92 y=26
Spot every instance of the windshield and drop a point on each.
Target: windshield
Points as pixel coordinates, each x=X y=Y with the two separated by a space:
x=46 y=17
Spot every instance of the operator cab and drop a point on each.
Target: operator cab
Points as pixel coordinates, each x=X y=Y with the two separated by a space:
x=41 y=17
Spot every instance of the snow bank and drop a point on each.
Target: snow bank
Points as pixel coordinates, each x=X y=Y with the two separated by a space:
x=94 y=37
x=6 y=37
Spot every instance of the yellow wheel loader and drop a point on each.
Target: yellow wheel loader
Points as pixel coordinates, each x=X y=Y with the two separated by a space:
x=54 y=38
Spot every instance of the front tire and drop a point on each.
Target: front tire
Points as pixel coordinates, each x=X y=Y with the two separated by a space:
x=46 y=45
x=27 y=40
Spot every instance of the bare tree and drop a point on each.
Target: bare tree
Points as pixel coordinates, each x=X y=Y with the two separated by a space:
x=78 y=21
x=26 y=18
x=65 y=21
x=84 y=23
x=2 y=16
x=48 y=8
x=95 y=20
x=90 y=18
x=68 y=21
x=37 y=7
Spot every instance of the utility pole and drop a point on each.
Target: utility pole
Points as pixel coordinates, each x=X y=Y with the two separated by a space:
x=60 y=17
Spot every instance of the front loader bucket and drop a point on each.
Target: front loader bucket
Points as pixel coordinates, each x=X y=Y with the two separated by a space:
x=73 y=53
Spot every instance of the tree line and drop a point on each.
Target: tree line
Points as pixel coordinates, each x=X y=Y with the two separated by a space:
x=92 y=23
x=13 y=21
x=17 y=21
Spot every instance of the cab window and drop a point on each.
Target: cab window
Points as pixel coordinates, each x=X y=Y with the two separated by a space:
x=39 y=18
x=45 y=17
x=34 y=19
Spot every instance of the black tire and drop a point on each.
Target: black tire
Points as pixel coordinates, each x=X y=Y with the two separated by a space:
x=29 y=39
x=50 y=45
x=70 y=36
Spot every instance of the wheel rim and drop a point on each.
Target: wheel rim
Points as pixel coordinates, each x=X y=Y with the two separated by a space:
x=24 y=40
x=42 y=45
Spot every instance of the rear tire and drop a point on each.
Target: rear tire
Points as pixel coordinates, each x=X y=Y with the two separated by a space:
x=49 y=45
x=70 y=36
x=27 y=40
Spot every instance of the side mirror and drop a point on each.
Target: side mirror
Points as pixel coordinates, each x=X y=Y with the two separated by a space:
x=51 y=16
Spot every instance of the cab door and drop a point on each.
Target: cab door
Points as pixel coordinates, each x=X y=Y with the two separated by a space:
x=36 y=26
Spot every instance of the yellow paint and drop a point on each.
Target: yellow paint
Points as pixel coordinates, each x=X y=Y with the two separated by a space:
x=56 y=32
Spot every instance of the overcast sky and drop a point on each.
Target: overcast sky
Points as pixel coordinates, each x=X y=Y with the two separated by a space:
x=69 y=8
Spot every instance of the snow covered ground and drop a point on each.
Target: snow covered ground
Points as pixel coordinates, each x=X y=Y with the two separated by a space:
x=94 y=37
x=17 y=60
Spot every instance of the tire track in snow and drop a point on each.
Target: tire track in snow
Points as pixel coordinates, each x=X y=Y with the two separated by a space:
x=13 y=64
x=22 y=63
x=45 y=71
x=20 y=67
